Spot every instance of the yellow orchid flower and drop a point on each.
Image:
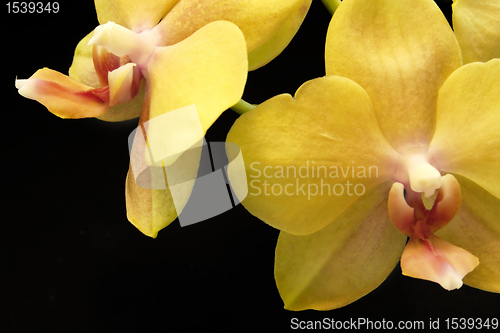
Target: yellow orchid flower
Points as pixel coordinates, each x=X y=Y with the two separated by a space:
x=399 y=139
x=477 y=27
x=188 y=52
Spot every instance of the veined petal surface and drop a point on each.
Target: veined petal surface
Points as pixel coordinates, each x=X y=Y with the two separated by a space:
x=342 y=262
x=151 y=210
x=400 y=52
x=208 y=69
x=313 y=152
x=148 y=210
x=467 y=140
x=476 y=228
x=155 y=207
x=436 y=260
x=477 y=27
x=258 y=20
x=63 y=96
x=133 y=14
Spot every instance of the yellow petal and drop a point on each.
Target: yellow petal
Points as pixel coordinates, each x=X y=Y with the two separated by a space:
x=343 y=262
x=133 y=14
x=156 y=194
x=477 y=27
x=400 y=52
x=329 y=128
x=277 y=43
x=208 y=69
x=436 y=260
x=466 y=141
x=63 y=96
x=476 y=228
x=258 y=20
x=148 y=210
x=151 y=210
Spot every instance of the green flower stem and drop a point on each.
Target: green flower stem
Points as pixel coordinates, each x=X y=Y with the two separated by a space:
x=242 y=107
x=331 y=5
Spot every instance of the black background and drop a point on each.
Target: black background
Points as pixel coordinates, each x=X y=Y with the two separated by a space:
x=70 y=260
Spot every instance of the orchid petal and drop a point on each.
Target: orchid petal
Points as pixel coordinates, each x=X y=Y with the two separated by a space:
x=258 y=20
x=476 y=228
x=208 y=69
x=63 y=96
x=133 y=14
x=436 y=260
x=477 y=27
x=466 y=141
x=151 y=210
x=163 y=191
x=82 y=69
x=334 y=133
x=342 y=262
x=277 y=43
x=400 y=52
x=148 y=210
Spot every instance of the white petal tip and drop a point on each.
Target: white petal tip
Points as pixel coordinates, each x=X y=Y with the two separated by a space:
x=20 y=83
x=451 y=281
x=101 y=34
x=28 y=88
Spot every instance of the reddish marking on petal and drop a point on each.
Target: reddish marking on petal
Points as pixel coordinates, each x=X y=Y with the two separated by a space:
x=66 y=103
x=102 y=93
x=425 y=222
x=97 y=95
x=64 y=96
x=436 y=260
x=105 y=62
x=420 y=230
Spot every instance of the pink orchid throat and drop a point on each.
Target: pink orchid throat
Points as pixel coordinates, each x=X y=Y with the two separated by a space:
x=421 y=201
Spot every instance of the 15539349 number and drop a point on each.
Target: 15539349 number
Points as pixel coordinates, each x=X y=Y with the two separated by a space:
x=32 y=7
x=471 y=323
